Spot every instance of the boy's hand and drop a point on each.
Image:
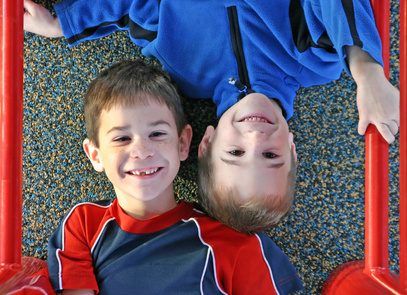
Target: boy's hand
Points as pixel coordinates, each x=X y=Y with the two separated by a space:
x=377 y=99
x=38 y=20
x=378 y=104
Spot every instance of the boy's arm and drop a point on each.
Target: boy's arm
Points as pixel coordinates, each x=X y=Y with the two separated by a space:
x=83 y=20
x=38 y=20
x=262 y=268
x=377 y=99
x=352 y=30
x=70 y=262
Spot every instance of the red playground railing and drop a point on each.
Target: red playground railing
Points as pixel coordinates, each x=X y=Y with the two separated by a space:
x=17 y=275
x=372 y=275
x=11 y=114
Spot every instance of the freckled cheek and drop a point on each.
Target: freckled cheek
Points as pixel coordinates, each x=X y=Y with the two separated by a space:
x=281 y=140
x=114 y=150
x=171 y=150
x=114 y=157
x=167 y=144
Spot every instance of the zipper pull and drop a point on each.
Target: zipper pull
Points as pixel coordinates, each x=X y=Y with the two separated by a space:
x=239 y=85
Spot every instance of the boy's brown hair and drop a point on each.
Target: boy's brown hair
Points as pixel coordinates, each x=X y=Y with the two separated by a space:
x=259 y=213
x=130 y=83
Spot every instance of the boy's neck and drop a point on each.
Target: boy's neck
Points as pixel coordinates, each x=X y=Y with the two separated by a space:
x=242 y=105
x=142 y=210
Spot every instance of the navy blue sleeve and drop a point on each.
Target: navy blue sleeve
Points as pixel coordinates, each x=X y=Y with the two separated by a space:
x=83 y=20
x=54 y=243
x=283 y=272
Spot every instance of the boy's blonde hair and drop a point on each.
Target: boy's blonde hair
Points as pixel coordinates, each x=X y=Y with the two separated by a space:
x=130 y=83
x=259 y=213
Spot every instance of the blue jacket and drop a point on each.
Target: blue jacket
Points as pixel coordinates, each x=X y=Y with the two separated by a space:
x=224 y=49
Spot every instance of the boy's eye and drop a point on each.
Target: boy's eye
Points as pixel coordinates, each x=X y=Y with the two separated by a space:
x=157 y=134
x=269 y=155
x=121 y=139
x=236 y=153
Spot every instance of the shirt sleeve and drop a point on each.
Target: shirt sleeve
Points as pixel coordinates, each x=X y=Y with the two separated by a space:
x=266 y=268
x=347 y=23
x=69 y=254
x=83 y=20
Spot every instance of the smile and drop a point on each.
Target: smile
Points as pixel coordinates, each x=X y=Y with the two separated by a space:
x=255 y=118
x=144 y=172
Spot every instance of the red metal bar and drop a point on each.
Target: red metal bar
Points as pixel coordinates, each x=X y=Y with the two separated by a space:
x=376 y=167
x=376 y=201
x=11 y=115
x=372 y=276
x=22 y=271
x=403 y=146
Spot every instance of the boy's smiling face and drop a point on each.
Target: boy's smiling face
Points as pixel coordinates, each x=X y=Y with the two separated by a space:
x=251 y=148
x=140 y=151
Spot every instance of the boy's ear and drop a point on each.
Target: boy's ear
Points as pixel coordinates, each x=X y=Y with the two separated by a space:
x=92 y=152
x=292 y=145
x=185 y=142
x=206 y=139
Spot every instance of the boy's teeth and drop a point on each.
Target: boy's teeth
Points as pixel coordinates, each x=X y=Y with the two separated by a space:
x=144 y=172
x=255 y=119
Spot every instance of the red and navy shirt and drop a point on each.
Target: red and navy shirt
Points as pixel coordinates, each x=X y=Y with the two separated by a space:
x=98 y=246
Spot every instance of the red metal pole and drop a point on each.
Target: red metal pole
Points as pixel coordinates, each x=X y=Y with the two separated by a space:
x=372 y=276
x=376 y=168
x=376 y=201
x=403 y=146
x=11 y=115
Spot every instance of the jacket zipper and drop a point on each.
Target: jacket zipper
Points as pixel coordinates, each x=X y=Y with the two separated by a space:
x=243 y=83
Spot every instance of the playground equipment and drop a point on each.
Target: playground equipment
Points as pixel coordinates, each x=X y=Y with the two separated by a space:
x=11 y=110
x=15 y=272
x=373 y=276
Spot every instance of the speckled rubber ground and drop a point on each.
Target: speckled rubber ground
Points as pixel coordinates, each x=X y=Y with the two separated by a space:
x=325 y=227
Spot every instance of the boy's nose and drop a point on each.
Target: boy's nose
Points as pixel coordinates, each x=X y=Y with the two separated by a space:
x=256 y=135
x=258 y=129
x=141 y=150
